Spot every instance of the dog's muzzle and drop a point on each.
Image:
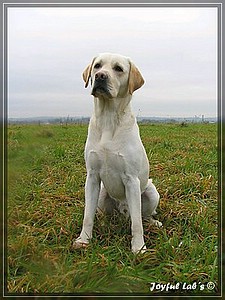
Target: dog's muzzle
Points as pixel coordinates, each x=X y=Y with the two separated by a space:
x=100 y=86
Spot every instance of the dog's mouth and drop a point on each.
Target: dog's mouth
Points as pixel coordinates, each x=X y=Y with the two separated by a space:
x=100 y=90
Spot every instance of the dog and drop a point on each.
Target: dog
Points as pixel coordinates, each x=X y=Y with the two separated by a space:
x=116 y=161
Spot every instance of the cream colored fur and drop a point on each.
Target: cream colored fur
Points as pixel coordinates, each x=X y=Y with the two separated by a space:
x=116 y=161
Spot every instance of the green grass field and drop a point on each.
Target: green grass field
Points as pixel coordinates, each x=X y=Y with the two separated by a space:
x=46 y=176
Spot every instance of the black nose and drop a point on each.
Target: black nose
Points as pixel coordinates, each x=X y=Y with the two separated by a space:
x=101 y=76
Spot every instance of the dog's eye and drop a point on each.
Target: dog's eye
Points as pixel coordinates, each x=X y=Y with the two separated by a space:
x=118 y=69
x=97 y=66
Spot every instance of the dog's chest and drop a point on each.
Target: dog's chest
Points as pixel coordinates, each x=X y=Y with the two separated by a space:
x=106 y=158
x=109 y=162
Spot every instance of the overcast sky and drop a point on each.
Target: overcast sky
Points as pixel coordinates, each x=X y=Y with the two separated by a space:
x=174 y=48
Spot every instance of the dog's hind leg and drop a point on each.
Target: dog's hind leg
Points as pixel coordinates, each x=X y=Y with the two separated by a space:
x=149 y=203
x=105 y=203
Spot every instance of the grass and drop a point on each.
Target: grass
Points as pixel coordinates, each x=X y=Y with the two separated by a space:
x=46 y=176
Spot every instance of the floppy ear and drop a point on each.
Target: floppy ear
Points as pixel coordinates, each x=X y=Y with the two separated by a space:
x=135 y=79
x=87 y=73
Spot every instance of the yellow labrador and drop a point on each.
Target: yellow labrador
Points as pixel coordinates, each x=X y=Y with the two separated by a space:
x=116 y=161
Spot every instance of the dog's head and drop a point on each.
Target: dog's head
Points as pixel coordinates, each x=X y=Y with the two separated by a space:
x=112 y=76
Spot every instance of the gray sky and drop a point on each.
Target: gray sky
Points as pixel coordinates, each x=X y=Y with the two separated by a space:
x=174 y=48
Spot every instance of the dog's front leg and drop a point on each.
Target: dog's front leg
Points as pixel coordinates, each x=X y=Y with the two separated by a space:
x=133 y=196
x=92 y=189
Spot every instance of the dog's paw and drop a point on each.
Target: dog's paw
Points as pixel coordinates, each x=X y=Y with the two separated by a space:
x=158 y=224
x=141 y=250
x=155 y=222
x=78 y=244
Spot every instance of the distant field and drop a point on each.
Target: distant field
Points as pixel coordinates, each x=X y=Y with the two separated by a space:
x=46 y=176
